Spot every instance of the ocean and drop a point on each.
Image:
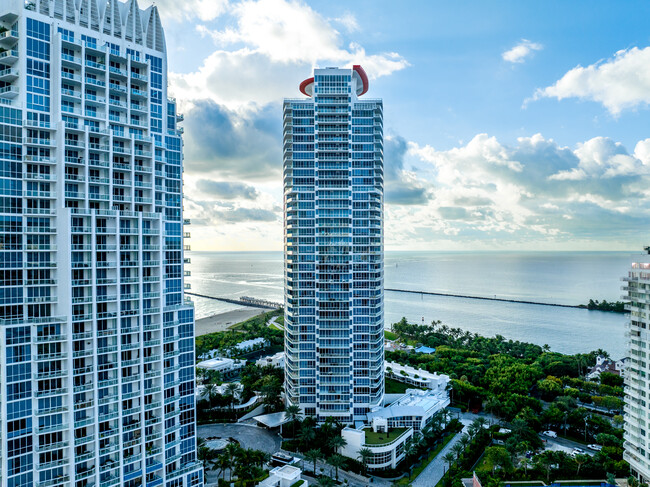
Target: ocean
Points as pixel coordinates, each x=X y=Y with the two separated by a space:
x=553 y=277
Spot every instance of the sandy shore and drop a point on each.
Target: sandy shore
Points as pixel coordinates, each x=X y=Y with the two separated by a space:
x=222 y=321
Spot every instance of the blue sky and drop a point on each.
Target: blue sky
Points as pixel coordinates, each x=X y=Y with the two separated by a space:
x=509 y=125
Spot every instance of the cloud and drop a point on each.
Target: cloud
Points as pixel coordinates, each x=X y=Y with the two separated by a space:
x=207 y=213
x=227 y=190
x=490 y=193
x=231 y=145
x=521 y=51
x=173 y=10
x=349 y=21
x=620 y=83
x=401 y=187
x=276 y=44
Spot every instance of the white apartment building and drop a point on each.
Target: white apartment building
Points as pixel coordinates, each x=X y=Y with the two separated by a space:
x=397 y=422
x=333 y=202
x=637 y=408
x=417 y=377
x=97 y=354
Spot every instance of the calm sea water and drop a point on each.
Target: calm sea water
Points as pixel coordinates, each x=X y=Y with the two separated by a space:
x=554 y=277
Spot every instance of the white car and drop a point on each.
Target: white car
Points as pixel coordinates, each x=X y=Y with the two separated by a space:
x=577 y=451
x=550 y=434
x=595 y=447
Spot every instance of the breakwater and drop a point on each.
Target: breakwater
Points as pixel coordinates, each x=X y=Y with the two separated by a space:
x=485 y=298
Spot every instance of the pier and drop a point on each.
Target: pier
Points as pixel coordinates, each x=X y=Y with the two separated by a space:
x=243 y=301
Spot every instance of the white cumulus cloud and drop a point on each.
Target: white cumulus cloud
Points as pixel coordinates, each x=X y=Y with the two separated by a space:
x=270 y=46
x=619 y=83
x=521 y=51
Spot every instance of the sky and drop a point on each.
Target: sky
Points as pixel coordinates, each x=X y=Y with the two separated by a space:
x=508 y=125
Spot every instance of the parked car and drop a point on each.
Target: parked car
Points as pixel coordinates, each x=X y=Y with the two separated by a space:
x=595 y=447
x=549 y=433
x=577 y=451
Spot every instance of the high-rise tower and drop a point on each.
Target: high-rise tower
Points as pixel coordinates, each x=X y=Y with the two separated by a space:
x=96 y=339
x=333 y=203
x=637 y=407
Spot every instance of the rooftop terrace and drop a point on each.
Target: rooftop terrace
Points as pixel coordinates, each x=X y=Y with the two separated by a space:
x=382 y=438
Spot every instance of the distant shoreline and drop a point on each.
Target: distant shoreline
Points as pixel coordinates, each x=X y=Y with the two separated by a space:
x=222 y=321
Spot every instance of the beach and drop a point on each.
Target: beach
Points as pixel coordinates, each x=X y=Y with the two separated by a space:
x=221 y=321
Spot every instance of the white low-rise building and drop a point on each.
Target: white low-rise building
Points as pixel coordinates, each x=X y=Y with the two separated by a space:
x=222 y=364
x=276 y=361
x=415 y=409
x=416 y=377
x=255 y=343
x=388 y=428
x=387 y=446
x=285 y=476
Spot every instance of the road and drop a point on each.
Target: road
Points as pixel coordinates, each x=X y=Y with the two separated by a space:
x=562 y=444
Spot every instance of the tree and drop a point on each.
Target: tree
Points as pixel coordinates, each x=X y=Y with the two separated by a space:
x=525 y=463
x=313 y=456
x=324 y=481
x=580 y=460
x=293 y=414
x=450 y=458
x=458 y=450
x=337 y=442
x=545 y=460
x=337 y=461
x=364 y=456
x=306 y=435
x=212 y=392
x=498 y=457
x=231 y=390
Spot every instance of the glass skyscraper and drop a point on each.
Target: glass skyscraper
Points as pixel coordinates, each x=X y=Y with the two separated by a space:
x=97 y=350
x=637 y=409
x=333 y=236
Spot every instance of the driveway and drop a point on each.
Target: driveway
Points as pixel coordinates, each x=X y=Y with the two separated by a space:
x=247 y=435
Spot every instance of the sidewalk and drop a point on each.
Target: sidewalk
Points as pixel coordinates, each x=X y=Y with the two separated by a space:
x=432 y=474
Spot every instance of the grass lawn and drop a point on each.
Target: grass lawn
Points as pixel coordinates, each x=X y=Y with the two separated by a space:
x=484 y=465
x=276 y=327
x=262 y=318
x=432 y=454
x=373 y=438
x=389 y=335
x=396 y=387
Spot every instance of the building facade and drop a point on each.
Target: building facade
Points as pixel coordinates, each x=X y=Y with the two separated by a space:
x=97 y=352
x=333 y=236
x=637 y=408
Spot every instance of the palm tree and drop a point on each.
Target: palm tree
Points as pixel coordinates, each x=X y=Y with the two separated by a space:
x=212 y=392
x=464 y=440
x=450 y=458
x=306 y=435
x=580 y=460
x=293 y=414
x=364 y=456
x=314 y=455
x=324 y=481
x=337 y=461
x=231 y=390
x=525 y=462
x=222 y=463
x=337 y=442
x=458 y=450
x=482 y=422
x=232 y=452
